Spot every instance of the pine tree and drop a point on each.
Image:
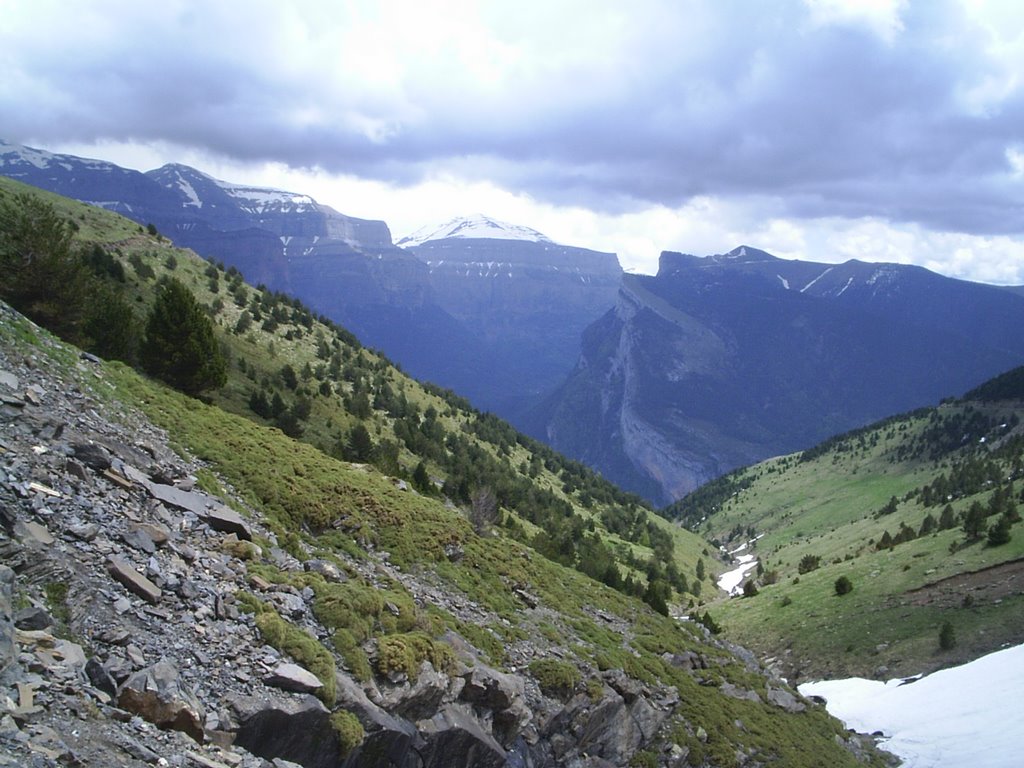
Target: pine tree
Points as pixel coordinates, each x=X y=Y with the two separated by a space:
x=359 y=446
x=180 y=348
x=41 y=275
x=974 y=521
x=947 y=637
x=947 y=519
x=999 y=532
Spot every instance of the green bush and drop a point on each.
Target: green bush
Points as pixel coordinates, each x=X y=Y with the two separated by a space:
x=808 y=563
x=406 y=652
x=843 y=585
x=556 y=678
x=349 y=729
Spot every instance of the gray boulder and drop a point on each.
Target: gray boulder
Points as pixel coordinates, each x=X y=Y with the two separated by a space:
x=454 y=739
x=157 y=695
x=8 y=651
x=296 y=729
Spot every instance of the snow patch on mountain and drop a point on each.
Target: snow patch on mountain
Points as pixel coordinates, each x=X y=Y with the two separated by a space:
x=254 y=200
x=15 y=154
x=473 y=227
x=190 y=193
x=260 y=199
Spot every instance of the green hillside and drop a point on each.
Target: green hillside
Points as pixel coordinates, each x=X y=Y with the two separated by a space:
x=918 y=512
x=413 y=502
x=313 y=380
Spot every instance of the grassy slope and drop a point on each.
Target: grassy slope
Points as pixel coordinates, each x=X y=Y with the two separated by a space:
x=266 y=352
x=338 y=510
x=826 y=508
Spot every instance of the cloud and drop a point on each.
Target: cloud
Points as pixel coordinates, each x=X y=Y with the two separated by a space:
x=787 y=116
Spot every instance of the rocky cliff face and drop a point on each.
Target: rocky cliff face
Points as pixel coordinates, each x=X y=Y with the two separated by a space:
x=723 y=361
x=526 y=303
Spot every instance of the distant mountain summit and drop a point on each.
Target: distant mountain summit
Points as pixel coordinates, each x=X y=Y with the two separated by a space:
x=526 y=298
x=478 y=227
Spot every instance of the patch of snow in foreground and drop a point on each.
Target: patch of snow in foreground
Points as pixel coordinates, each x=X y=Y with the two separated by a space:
x=964 y=717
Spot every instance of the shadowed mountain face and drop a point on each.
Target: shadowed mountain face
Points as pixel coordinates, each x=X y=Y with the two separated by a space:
x=491 y=310
x=722 y=361
x=527 y=303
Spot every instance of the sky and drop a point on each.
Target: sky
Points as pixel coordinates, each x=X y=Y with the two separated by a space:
x=962 y=717
x=883 y=130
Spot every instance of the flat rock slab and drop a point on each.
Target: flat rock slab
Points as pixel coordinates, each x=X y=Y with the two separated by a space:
x=29 y=529
x=226 y=520
x=133 y=581
x=191 y=501
x=292 y=677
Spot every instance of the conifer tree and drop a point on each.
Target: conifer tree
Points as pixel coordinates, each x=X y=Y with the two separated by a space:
x=180 y=348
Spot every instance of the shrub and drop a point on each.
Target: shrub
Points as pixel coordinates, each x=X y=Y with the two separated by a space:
x=406 y=652
x=843 y=586
x=349 y=729
x=306 y=650
x=556 y=678
x=808 y=563
x=749 y=588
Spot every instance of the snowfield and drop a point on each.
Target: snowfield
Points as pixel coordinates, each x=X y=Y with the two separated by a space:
x=964 y=717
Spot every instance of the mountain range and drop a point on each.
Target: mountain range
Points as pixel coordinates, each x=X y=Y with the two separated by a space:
x=660 y=382
x=491 y=310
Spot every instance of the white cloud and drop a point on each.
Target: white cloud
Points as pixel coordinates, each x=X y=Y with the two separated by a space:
x=828 y=129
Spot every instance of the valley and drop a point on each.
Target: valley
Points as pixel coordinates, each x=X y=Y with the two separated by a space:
x=660 y=382
x=462 y=544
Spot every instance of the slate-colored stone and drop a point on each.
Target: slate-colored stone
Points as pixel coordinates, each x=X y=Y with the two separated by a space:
x=92 y=455
x=292 y=677
x=100 y=677
x=8 y=651
x=132 y=580
x=454 y=739
x=188 y=500
x=296 y=729
x=31 y=618
x=226 y=520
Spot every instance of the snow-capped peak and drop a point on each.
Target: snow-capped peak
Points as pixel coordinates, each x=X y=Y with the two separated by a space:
x=476 y=227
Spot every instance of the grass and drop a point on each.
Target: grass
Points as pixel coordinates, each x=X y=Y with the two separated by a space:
x=828 y=508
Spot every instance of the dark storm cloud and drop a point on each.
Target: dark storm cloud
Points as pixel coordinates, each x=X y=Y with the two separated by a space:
x=612 y=112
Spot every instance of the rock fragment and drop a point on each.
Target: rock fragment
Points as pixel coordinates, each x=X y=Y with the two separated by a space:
x=133 y=581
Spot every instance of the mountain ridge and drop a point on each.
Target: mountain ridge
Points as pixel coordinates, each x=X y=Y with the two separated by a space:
x=729 y=360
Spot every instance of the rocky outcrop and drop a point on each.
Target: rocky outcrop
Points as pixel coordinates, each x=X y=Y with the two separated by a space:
x=296 y=729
